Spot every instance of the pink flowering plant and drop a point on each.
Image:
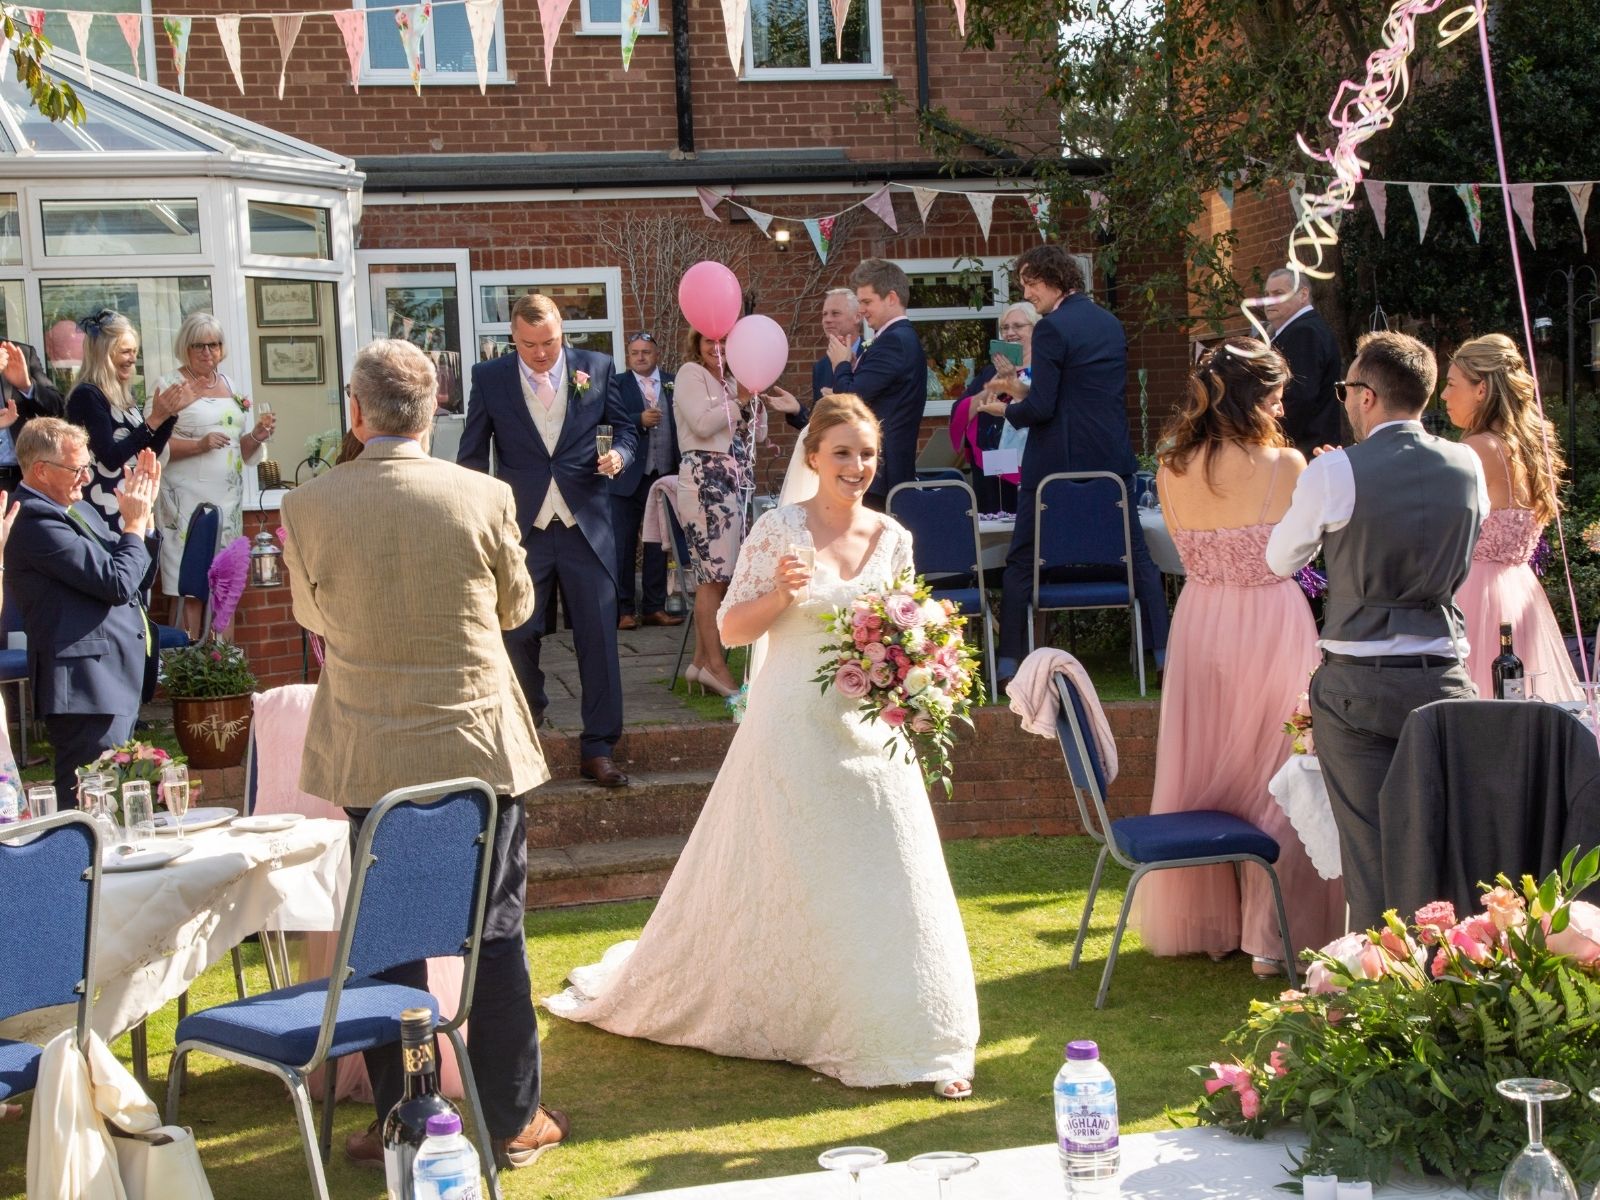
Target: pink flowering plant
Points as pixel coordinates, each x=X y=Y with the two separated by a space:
x=1391 y=1053
x=131 y=760
x=206 y=670
x=903 y=656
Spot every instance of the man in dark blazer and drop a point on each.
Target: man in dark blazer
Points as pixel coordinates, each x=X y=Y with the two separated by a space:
x=841 y=318
x=647 y=396
x=77 y=586
x=1312 y=414
x=25 y=387
x=538 y=410
x=891 y=374
x=1076 y=416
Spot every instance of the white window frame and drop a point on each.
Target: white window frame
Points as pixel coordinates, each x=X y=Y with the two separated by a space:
x=872 y=69
x=432 y=76
x=651 y=24
x=611 y=277
x=32 y=219
x=341 y=241
x=999 y=268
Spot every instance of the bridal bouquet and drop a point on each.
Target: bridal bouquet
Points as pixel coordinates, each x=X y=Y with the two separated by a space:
x=902 y=654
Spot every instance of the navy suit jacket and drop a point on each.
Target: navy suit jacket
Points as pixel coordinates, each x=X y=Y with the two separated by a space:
x=1312 y=415
x=79 y=597
x=892 y=377
x=497 y=415
x=43 y=400
x=626 y=482
x=1075 y=410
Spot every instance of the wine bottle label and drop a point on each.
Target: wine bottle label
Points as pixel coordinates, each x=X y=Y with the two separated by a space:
x=1513 y=689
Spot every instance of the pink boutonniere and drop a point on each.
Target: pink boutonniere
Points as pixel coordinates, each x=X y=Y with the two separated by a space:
x=242 y=401
x=580 y=381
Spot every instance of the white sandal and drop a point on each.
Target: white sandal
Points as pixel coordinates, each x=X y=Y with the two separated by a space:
x=952 y=1089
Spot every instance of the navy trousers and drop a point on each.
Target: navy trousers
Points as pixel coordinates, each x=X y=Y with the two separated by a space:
x=79 y=739
x=627 y=516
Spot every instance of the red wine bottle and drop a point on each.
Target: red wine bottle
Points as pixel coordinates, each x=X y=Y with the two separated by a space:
x=1507 y=671
x=406 y=1126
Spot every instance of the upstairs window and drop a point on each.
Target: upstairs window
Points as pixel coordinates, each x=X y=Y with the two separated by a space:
x=445 y=46
x=605 y=16
x=794 y=39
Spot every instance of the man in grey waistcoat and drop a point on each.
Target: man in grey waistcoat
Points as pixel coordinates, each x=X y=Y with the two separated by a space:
x=1397 y=516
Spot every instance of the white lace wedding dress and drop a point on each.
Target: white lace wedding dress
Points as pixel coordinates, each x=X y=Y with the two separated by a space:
x=810 y=918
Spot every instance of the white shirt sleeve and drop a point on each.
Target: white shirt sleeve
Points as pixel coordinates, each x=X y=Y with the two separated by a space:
x=1324 y=498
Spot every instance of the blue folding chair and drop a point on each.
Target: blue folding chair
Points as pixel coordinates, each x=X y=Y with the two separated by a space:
x=942 y=517
x=930 y=474
x=1158 y=842
x=194 y=582
x=49 y=890
x=1080 y=529
x=420 y=885
x=14 y=669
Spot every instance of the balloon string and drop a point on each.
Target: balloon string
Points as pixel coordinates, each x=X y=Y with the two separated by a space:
x=744 y=480
x=1527 y=331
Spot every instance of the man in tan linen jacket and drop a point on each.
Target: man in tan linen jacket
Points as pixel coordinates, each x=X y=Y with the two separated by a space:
x=409 y=568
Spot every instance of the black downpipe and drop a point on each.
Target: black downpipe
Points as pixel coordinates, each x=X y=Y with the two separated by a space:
x=922 y=57
x=680 y=74
x=932 y=120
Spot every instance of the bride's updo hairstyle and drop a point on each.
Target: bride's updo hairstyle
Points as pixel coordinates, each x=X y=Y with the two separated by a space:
x=844 y=408
x=1226 y=403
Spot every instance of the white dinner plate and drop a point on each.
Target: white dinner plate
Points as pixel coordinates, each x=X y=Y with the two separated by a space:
x=147 y=859
x=195 y=819
x=268 y=822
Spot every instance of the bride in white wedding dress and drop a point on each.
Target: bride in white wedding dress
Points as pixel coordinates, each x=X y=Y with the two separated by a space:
x=810 y=918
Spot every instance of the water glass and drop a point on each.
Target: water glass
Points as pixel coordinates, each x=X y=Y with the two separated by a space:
x=853 y=1160
x=138 y=812
x=943 y=1165
x=1535 y=1174
x=41 y=799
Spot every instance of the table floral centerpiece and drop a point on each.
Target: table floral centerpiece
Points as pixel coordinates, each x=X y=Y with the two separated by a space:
x=132 y=760
x=1392 y=1053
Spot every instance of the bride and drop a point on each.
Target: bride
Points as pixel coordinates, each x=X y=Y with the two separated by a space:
x=810 y=918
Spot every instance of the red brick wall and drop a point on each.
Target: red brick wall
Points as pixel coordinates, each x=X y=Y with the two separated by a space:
x=1261 y=221
x=265 y=627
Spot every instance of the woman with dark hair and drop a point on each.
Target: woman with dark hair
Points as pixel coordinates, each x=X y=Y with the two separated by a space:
x=1488 y=393
x=1242 y=649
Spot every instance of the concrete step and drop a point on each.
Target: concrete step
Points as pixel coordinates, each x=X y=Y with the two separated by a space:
x=575 y=812
x=647 y=748
x=629 y=869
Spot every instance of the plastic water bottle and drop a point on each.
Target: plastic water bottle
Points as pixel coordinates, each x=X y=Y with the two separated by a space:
x=446 y=1166
x=1086 y=1122
x=8 y=804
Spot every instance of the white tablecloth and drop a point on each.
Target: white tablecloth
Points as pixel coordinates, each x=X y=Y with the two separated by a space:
x=159 y=930
x=1301 y=793
x=1201 y=1162
x=995 y=536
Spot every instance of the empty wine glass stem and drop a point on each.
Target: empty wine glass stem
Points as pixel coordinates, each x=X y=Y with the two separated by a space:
x=1535 y=1125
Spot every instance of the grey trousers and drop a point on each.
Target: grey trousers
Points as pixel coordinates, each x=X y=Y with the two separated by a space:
x=1356 y=716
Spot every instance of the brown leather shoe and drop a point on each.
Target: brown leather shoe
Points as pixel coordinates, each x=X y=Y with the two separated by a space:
x=662 y=618
x=365 y=1149
x=627 y=621
x=600 y=769
x=548 y=1128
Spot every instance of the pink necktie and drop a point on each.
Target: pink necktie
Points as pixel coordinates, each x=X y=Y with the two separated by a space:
x=543 y=390
x=648 y=387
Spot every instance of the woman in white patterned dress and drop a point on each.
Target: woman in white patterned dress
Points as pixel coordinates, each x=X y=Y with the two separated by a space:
x=810 y=918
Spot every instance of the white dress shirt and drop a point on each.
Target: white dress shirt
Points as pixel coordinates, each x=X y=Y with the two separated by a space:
x=1324 y=499
x=1293 y=318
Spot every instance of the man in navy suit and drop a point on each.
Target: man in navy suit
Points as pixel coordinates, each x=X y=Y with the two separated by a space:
x=647 y=395
x=1077 y=420
x=538 y=409
x=1312 y=414
x=841 y=318
x=78 y=587
x=26 y=390
x=891 y=375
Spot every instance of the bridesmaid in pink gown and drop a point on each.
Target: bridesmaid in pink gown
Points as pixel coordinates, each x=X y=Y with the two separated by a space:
x=1488 y=393
x=1242 y=649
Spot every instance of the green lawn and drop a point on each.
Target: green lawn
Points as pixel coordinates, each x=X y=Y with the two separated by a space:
x=648 y=1117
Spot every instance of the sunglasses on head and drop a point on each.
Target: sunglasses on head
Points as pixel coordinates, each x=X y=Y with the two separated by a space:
x=642 y=336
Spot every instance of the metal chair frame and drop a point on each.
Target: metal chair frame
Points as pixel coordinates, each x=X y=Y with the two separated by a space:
x=680 y=550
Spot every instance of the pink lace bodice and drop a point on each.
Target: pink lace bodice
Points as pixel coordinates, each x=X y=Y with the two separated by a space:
x=1509 y=536
x=1226 y=557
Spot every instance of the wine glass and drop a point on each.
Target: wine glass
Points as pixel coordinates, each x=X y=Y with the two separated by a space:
x=175 y=793
x=854 y=1159
x=97 y=797
x=1535 y=1174
x=263 y=409
x=1531 y=682
x=943 y=1165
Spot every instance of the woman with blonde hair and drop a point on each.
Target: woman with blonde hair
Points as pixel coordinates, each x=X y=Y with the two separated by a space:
x=1488 y=393
x=1242 y=649
x=103 y=404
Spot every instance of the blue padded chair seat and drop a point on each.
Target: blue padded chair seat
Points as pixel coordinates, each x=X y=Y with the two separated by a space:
x=1084 y=594
x=1205 y=833
x=19 y=1067
x=966 y=599
x=170 y=637
x=13 y=664
x=282 y=1026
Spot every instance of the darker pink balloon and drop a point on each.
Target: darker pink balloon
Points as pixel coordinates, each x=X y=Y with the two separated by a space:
x=711 y=298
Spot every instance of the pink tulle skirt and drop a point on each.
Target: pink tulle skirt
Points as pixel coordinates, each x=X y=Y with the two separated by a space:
x=1496 y=593
x=1238 y=660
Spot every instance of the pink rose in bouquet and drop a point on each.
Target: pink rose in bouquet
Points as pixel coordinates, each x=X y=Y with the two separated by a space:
x=875 y=651
x=851 y=681
x=893 y=715
x=904 y=611
x=1434 y=920
x=1506 y=909
x=1580 y=940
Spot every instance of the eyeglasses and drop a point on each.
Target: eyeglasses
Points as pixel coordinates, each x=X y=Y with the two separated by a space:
x=209 y=347
x=1014 y=326
x=642 y=336
x=1342 y=386
x=84 y=472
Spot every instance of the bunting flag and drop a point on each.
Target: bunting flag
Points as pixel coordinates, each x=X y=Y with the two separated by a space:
x=1098 y=207
x=177 y=30
x=1473 y=203
x=708 y=202
x=1297 y=193
x=1579 y=194
x=133 y=33
x=733 y=19
x=35 y=19
x=841 y=12
x=630 y=28
x=925 y=198
x=552 y=13
x=287 y=27
x=881 y=205
x=1378 y=198
x=982 y=208
x=5 y=55
x=1039 y=206
x=228 y=34
x=352 y=23
x=1225 y=190
x=1522 y=205
x=80 y=22
x=413 y=22
x=961 y=16
x=762 y=220
x=1424 y=206
x=480 y=23
x=821 y=231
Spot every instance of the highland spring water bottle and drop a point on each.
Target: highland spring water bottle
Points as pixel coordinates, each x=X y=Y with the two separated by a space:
x=1086 y=1122
x=446 y=1166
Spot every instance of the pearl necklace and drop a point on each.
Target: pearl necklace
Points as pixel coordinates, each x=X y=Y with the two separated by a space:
x=205 y=383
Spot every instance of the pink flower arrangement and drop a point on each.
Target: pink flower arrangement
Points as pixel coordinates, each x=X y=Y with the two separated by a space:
x=903 y=656
x=131 y=760
x=580 y=381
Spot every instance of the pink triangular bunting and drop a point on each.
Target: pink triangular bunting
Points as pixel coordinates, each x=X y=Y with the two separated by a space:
x=35 y=20
x=734 y=13
x=1424 y=206
x=1378 y=198
x=228 y=34
x=287 y=27
x=982 y=208
x=708 y=202
x=841 y=13
x=881 y=205
x=1579 y=194
x=1522 y=205
x=352 y=23
x=961 y=16
x=925 y=198
x=133 y=33
x=552 y=14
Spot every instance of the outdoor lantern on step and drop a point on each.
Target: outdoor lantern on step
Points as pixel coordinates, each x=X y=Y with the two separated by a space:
x=266 y=562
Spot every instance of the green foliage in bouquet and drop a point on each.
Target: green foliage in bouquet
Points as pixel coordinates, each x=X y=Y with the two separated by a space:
x=1392 y=1053
x=131 y=760
x=206 y=670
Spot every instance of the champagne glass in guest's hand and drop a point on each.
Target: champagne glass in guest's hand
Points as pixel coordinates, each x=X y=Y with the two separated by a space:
x=602 y=441
x=853 y=1160
x=1535 y=1174
x=266 y=421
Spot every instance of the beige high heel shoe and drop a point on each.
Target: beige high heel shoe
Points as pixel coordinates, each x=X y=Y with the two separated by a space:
x=709 y=682
x=692 y=676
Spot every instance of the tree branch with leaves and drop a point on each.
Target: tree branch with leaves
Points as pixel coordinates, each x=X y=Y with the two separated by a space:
x=55 y=99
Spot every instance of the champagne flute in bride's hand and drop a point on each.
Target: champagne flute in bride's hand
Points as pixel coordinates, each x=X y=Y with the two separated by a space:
x=802 y=548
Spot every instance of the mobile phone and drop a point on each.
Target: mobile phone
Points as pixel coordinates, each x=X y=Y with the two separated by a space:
x=1006 y=349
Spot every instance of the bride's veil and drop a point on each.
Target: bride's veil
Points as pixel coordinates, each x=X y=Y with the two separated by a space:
x=799 y=485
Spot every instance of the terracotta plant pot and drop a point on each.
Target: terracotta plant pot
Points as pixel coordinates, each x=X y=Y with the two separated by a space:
x=214 y=731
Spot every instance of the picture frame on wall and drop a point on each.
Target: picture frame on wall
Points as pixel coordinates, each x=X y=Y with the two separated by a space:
x=286 y=302
x=291 y=360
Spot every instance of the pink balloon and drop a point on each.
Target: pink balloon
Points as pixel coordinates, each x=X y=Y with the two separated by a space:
x=758 y=350
x=711 y=298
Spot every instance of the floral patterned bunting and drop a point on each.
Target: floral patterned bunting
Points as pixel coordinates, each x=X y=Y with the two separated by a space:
x=1522 y=204
x=133 y=33
x=413 y=22
x=982 y=208
x=630 y=28
x=80 y=22
x=352 y=23
x=881 y=205
x=1579 y=194
x=480 y=21
x=1423 y=203
x=1473 y=203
